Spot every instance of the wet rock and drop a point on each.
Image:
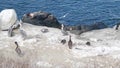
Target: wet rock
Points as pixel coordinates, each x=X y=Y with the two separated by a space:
x=42 y=19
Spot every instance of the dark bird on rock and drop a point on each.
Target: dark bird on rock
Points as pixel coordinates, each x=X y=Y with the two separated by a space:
x=63 y=41
x=17 y=49
x=117 y=26
x=88 y=43
x=70 y=43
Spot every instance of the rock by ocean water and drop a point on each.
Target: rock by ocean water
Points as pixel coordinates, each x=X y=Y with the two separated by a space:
x=7 y=18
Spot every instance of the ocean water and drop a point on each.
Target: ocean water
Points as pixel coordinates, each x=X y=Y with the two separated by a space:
x=70 y=12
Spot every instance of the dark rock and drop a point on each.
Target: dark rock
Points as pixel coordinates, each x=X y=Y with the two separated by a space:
x=42 y=19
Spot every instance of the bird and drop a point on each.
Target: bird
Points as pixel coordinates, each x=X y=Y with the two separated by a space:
x=21 y=30
x=63 y=30
x=63 y=41
x=117 y=26
x=70 y=43
x=23 y=34
x=88 y=43
x=17 y=49
x=12 y=28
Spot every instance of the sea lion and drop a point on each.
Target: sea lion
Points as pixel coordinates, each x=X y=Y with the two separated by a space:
x=31 y=15
x=79 y=29
x=70 y=43
x=42 y=19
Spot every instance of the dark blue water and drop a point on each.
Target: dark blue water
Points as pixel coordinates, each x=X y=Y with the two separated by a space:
x=70 y=12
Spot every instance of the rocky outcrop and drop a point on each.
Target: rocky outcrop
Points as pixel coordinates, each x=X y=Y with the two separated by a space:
x=7 y=18
x=41 y=18
x=45 y=50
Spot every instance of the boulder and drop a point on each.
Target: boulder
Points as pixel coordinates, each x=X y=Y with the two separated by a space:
x=42 y=19
x=7 y=18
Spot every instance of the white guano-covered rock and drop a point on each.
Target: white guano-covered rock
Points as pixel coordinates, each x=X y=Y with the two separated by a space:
x=7 y=18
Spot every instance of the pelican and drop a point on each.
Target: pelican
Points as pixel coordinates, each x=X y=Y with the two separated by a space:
x=70 y=43
x=17 y=49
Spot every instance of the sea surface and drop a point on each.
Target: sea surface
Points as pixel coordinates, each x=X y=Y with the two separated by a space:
x=70 y=12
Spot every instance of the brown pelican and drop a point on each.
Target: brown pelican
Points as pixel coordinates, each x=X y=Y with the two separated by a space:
x=88 y=43
x=70 y=43
x=17 y=49
x=63 y=41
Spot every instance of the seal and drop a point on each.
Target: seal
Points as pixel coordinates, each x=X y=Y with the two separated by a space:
x=79 y=29
x=70 y=43
x=41 y=18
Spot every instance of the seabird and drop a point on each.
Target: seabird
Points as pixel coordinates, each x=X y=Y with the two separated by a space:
x=63 y=41
x=88 y=43
x=70 y=43
x=63 y=31
x=17 y=49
